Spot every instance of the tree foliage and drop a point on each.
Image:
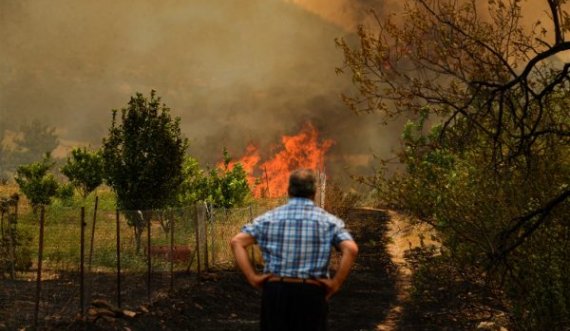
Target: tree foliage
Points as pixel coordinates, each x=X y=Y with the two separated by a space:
x=84 y=169
x=493 y=173
x=143 y=156
x=36 y=182
x=225 y=186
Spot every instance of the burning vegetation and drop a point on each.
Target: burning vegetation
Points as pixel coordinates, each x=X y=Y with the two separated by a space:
x=303 y=150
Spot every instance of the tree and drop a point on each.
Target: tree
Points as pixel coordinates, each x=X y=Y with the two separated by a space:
x=492 y=175
x=84 y=169
x=143 y=156
x=224 y=187
x=36 y=182
x=194 y=188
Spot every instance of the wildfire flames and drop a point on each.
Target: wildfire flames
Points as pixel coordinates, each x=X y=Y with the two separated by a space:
x=269 y=178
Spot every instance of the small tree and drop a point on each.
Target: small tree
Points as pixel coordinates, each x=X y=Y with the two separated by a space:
x=194 y=188
x=143 y=157
x=227 y=187
x=36 y=183
x=84 y=169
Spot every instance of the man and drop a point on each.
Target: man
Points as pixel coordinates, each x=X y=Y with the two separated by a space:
x=296 y=241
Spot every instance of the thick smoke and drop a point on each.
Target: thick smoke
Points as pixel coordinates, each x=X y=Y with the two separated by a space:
x=234 y=71
x=349 y=13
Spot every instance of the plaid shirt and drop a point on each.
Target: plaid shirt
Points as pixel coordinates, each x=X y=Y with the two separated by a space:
x=296 y=239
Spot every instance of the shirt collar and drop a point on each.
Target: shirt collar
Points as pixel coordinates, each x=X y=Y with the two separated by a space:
x=301 y=201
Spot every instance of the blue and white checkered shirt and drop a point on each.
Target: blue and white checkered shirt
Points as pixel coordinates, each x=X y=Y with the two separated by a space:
x=296 y=239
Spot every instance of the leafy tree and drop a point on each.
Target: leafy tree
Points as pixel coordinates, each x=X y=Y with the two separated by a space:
x=492 y=175
x=84 y=169
x=227 y=187
x=194 y=188
x=36 y=182
x=143 y=156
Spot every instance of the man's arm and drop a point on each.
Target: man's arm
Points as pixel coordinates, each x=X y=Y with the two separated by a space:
x=349 y=251
x=240 y=243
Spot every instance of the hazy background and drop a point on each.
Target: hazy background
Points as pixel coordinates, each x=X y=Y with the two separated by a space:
x=234 y=71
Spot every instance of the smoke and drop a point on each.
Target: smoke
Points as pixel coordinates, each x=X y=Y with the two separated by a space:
x=234 y=71
x=348 y=14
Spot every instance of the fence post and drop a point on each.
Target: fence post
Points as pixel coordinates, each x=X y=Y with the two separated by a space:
x=118 y=258
x=252 y=246
x=12 y=245
x=172 y=222
x=12 y=221
x=212 y=238
x=149 y=259
x=39 y=275
x=82 y=263
x=199 y=215
x=2 y=222
x=323 y=188
x=206 y=264
x=93 y=231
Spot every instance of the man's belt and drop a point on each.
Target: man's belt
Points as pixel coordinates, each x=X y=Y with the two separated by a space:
x=294 y=280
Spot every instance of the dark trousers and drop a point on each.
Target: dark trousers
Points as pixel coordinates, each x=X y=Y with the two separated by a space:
x=293 y=307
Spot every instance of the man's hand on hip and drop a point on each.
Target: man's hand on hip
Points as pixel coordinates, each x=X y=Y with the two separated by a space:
x=331 y=285
x=257 y=280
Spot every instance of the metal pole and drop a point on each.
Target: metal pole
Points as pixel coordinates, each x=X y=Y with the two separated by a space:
x=213 y=229
x=172 y=222
x=39 y=274
x=149 y=266
x=118 y=259
x=267 y=183
x=197 y=222
x=93 y=231
x=2 y=222
x=82 y=263
x=11 y=246
x=252 y=246
x=206 y=264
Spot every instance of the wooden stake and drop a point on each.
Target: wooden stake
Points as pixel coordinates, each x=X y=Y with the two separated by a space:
x=39 y=274
x=118 y=235
x=82 y=263
x=93 y=231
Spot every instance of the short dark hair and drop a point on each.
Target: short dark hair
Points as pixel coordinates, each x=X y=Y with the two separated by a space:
x=302 y=183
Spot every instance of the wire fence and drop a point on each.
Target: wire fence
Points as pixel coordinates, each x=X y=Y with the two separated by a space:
x=57 y=261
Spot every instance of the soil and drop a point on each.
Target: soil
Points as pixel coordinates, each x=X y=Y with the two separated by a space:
x=375 y=296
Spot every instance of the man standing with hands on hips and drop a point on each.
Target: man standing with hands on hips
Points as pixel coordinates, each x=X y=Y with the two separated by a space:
x=296 y=241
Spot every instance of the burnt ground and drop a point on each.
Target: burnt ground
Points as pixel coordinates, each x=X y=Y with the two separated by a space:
x=222 y=299
x=375 y=297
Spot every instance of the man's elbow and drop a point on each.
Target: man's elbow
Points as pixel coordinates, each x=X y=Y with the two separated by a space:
x=349 y=247
x=241 y=240
x=354 y=249
x=235 y=242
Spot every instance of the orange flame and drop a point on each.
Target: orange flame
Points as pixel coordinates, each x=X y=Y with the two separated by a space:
x=302 y=150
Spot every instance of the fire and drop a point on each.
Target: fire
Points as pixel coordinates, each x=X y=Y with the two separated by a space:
x=303 y=150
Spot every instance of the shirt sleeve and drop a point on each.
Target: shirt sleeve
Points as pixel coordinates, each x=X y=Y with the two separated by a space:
x=253 y=229
x=340 y=233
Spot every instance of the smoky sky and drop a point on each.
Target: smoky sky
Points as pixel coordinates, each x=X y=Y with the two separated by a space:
x=235 y=72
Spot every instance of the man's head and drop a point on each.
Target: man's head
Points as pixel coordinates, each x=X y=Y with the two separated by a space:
x=302 y=184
